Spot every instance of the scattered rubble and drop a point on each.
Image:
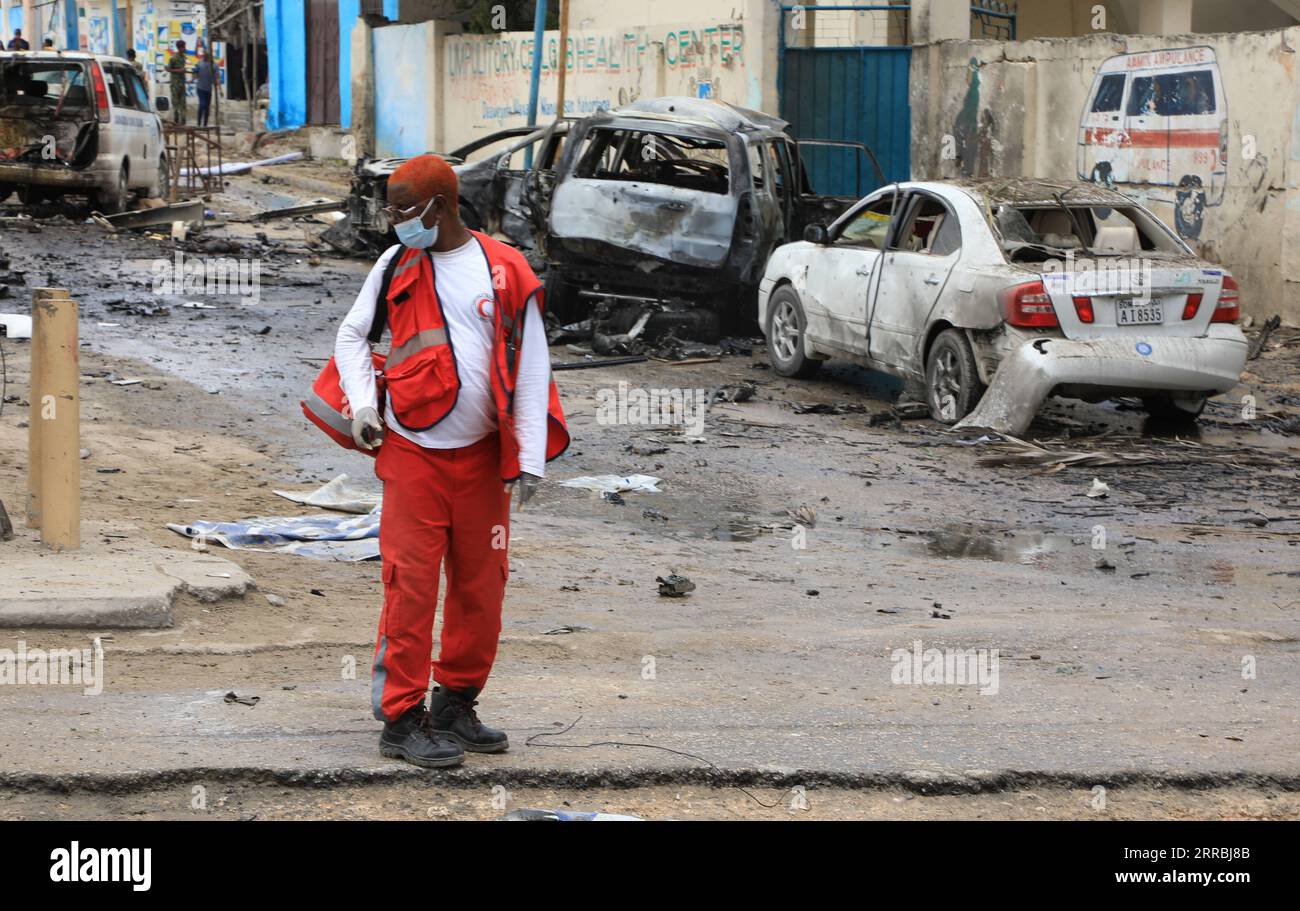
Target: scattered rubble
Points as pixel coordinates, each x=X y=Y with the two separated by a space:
x=675 y=586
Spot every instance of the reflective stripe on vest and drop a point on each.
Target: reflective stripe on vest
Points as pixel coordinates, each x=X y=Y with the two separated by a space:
x=322 y=409
x=429 y=338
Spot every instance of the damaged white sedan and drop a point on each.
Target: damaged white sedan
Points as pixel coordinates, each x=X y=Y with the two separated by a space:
x=988 y=296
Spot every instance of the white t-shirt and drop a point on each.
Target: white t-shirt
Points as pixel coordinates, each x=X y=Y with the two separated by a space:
x=464 y=283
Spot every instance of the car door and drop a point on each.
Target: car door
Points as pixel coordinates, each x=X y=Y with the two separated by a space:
x=838 y=286
x=149 y=129
x=832 y=176
x=539 y=183
x=129 y=125
x=912 y=274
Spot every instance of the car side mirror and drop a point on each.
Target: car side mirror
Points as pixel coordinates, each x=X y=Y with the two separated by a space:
x=162 y=104
x=817 y=234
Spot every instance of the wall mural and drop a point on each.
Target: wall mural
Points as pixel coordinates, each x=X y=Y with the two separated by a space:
x=1158 y=121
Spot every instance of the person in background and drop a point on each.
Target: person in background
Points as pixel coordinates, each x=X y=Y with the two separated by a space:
x=18 y=42
x=205 y=77
x=137 y=65
x=176 y=74
x=47 y=44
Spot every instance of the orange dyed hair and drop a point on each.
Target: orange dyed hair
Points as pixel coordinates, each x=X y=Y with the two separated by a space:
x=427 y=176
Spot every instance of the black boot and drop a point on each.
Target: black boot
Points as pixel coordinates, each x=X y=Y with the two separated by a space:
x=452 y=714
x=411 y=738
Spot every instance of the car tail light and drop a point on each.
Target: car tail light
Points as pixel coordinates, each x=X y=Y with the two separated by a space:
x=101 y=91
x=1192 y=307
x=1028 y=306
x=1228 y=310
x=1083 y=307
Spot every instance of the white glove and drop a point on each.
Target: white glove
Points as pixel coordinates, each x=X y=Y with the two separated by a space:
x=367 y=430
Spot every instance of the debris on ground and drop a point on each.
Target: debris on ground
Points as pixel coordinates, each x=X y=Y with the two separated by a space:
x=566 y=816
x=805 y=515
x=1010 y=451
x=734 y=394
x=234 y=698
x=829 y=408
x=1098 y=489
x=610 y=483
x=675 y=586
x=6 y=526
x=1271 y=325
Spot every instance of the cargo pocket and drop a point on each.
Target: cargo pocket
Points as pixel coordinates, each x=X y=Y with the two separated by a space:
x=422 y=389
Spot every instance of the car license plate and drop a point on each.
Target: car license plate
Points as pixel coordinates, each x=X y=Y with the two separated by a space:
x=1130 y=313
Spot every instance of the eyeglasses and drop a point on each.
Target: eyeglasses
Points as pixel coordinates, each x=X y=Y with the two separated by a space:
x=396 y=216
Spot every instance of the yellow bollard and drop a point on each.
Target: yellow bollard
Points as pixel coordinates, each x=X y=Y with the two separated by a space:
x=56 y=419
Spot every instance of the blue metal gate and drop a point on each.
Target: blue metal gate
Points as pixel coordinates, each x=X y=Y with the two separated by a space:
x=856 y=94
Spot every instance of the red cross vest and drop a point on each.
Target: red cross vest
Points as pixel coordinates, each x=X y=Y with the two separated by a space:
x=419 y=374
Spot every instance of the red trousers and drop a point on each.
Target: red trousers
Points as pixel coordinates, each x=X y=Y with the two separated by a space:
x=441 y=508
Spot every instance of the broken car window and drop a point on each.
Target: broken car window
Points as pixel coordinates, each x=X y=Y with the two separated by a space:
x=870 y=227
x=61 y=86
x=679 y=161
x=933 y=230
x=1113 y=231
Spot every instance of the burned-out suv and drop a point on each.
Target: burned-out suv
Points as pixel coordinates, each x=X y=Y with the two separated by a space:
x=680 y=198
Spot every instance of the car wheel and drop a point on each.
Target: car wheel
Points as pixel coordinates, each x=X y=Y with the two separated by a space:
x=952 y=381
x=112 y=200
x=5 y=190
x=1173 y=409
x=786 y=326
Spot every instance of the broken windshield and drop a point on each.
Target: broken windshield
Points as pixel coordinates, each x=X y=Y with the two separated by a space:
x=689 y=162
x=45 y=84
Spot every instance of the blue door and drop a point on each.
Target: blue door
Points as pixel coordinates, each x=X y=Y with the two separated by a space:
x=854 y=94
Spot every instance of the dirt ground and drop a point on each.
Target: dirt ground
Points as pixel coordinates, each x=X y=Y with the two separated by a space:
x=434 y=800
x=780 y=659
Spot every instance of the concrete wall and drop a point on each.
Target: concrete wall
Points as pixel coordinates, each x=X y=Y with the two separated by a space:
x=987 y=108
x=406 y=96
x=715 y=48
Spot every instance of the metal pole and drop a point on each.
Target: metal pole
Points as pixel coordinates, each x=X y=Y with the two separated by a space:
x=534 y=90
x=59 y=421
x=564 y=58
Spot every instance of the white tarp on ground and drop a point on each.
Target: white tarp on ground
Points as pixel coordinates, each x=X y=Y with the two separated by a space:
x=341 y=538
x=337 y=495
x=240 y=167
x=612 y=483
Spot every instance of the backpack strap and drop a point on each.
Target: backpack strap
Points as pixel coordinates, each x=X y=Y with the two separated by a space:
x=381 y=305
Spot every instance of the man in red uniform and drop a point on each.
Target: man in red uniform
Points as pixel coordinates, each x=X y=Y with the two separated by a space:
x=470 y=413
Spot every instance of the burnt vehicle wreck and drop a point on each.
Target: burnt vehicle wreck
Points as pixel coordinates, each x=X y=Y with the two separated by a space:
x=678 y=201
x=499 y=191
